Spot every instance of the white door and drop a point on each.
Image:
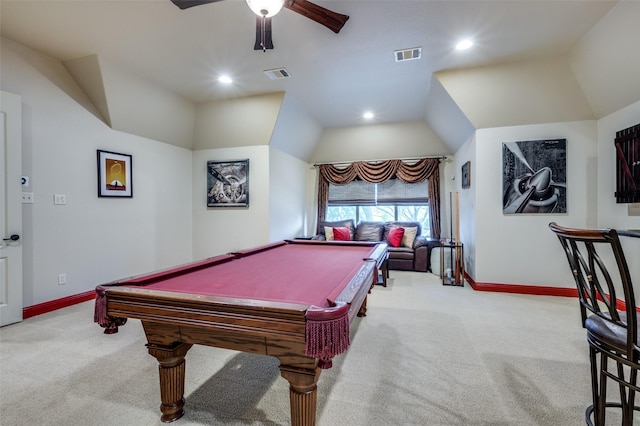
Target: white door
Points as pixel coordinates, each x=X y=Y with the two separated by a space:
x=10 y=209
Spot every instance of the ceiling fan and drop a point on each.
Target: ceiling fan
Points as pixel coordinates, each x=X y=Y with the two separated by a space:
x=265 y=9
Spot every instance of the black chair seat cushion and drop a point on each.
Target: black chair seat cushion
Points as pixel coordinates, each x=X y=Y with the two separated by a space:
x=608 y=333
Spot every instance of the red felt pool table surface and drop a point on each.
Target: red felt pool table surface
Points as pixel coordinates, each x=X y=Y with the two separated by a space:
x=312 y=274
x=294 y=300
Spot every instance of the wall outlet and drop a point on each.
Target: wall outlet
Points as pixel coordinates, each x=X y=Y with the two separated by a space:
x=27 y=198
x=59 y=199
x=62 y=279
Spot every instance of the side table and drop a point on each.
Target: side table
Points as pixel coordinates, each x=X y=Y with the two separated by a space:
x=384 y=269
x=455 y=275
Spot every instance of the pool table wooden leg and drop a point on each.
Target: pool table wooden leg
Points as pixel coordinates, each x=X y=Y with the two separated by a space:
x=303 y=393
x=362 y=312
x=171 y=368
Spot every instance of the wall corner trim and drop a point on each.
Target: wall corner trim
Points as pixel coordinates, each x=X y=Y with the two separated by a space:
x=52 y=305
x=522 y=289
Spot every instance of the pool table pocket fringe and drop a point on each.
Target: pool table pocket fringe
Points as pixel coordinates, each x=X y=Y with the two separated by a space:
x=110 y=324
x=327 y=333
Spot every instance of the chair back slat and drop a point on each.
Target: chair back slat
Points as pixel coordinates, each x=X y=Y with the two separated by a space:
x=587 y=252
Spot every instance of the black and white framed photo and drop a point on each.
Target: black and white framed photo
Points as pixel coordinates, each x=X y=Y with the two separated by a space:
x=534 y=176
x=466 y=174
x=114 y=175
x=228 y=183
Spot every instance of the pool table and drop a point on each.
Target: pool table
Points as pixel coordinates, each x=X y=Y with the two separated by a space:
x=292 y=299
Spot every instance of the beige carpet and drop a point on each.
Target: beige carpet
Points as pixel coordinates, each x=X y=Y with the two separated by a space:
x=424 y=355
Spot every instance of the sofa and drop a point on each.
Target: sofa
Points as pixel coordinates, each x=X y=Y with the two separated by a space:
x=414 y=256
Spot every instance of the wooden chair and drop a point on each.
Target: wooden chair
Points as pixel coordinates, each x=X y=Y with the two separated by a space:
x=611 y=323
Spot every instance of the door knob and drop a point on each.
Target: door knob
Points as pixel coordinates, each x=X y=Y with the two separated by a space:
x=14 y=237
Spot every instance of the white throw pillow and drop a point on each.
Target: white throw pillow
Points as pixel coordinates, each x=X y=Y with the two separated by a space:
x=409 y=236
x=328 y=233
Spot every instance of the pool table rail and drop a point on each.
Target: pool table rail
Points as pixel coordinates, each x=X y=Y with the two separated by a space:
x=286 y=320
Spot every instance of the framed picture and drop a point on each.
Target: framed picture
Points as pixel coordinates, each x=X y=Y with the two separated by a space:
x=466 y=174
x=627 y=147
x=534 y=176
x=114 y=175
x=228 y=183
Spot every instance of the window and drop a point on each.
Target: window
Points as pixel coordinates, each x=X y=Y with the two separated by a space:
x=392 y=200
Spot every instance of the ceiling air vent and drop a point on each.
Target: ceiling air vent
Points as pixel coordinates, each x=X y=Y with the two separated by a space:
x=277 y=74
x=408 y=54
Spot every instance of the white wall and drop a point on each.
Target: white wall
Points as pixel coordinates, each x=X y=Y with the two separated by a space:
x=132 y=104
x=446 y=119
x=92 y=240
x=295 y=132
x=220 y=230
x=247 y=121
x=311 y=202
x=287 y=195
x=449 y=184
x=605 y=64
x=519 y=249
x=467 y=202
x=378 y=141
x=538 y=91
x=140 y=107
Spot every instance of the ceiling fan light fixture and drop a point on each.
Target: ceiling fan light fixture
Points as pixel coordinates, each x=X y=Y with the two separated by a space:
x=265 y=8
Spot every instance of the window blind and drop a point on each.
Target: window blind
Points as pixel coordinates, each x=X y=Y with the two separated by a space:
x=393 y=191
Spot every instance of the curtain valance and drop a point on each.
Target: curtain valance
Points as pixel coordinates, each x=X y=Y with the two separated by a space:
x=381 y=171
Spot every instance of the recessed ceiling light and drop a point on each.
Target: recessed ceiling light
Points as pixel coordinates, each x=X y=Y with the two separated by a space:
x=225 y=79
x=368 y=115
x=464 y=44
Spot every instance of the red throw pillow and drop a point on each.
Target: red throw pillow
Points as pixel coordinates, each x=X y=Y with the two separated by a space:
x=395 y=237
x=341 y=234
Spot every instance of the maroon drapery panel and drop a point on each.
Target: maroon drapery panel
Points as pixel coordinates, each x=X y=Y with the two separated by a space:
x=378 y=172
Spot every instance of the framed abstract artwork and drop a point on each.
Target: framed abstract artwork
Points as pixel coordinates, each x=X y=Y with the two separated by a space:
x=228 y=183
x=534 y=176
x=114 y=175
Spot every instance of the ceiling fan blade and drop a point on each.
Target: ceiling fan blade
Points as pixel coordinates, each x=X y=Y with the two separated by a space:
x=185 y=4
x=332 y=20
x=263 y=34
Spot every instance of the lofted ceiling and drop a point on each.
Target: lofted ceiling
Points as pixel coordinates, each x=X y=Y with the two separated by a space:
x=334 y=77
